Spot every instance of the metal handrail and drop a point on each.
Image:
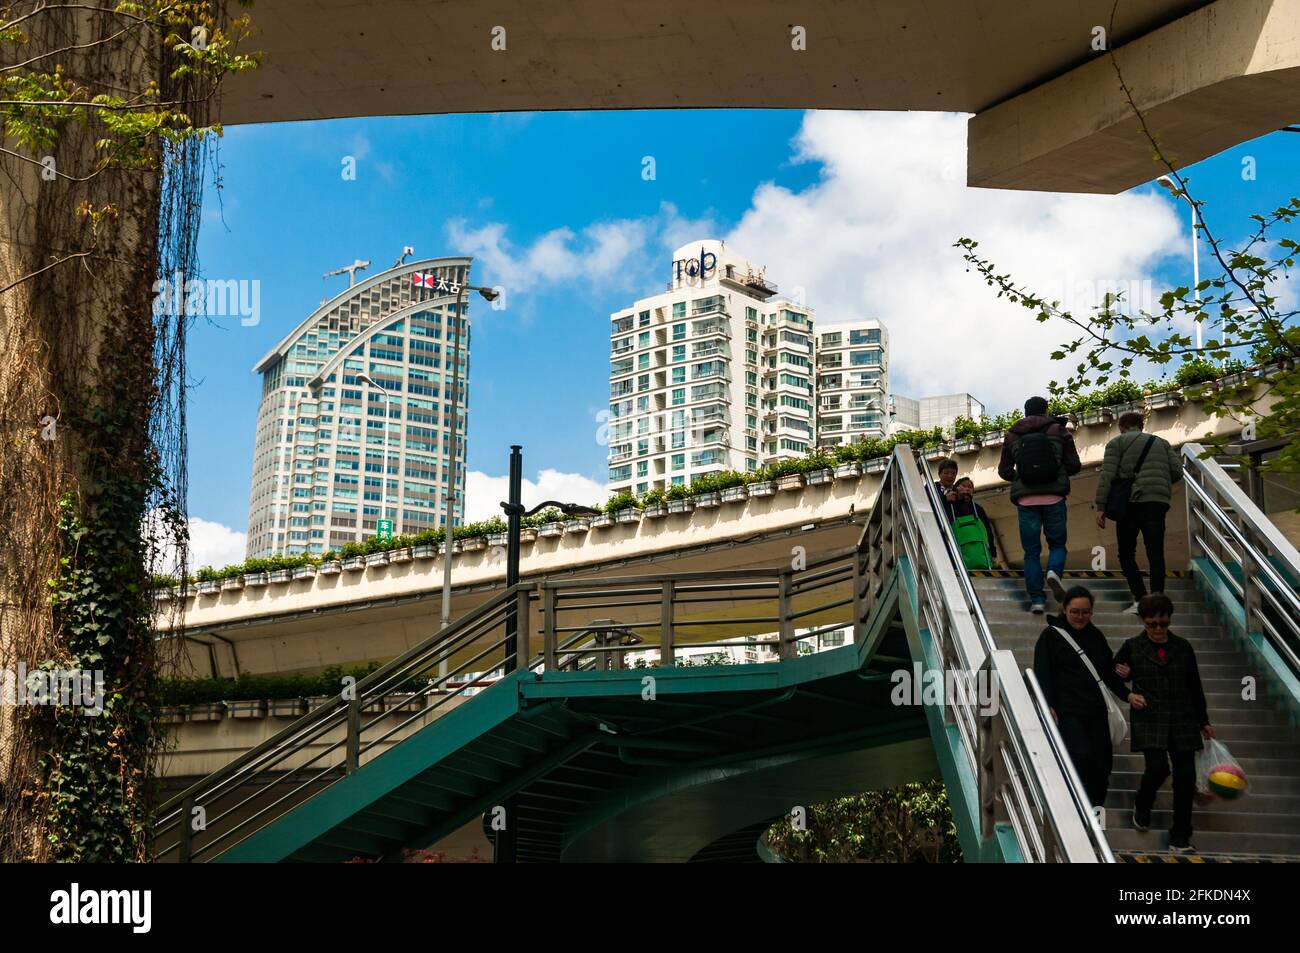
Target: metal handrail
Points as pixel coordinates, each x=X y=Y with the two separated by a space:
x=1022 y=768
x=1244 y=523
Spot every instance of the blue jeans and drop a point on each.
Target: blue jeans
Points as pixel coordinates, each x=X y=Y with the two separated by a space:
x=1048 y=521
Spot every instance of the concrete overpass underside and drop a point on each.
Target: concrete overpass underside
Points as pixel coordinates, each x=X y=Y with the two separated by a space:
x=1048 y=113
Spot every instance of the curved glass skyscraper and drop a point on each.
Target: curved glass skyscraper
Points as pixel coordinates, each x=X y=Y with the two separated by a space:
x=332 y=449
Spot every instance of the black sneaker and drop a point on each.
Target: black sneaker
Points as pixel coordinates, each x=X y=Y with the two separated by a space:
x=1184 y=848
x=1141 y=820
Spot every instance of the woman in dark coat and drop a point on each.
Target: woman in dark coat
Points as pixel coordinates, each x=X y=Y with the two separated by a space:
x=1073 y=693
x=1170 y=716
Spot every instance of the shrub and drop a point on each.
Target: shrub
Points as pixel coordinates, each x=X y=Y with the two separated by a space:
x=620 y=501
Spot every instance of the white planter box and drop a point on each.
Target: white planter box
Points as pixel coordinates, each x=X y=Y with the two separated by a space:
x=966 y=446
x=424 y=551
x=473 y=544
x=1134 y=406
x=288 y=707
x=404 y=701
x=209 y=587
x=735 y=494
x=252 y=708
x=281 y=575
x=994 y=438
x=763 y=488
x=935 y=453
x=876 y=465
x=172 y=715
x=680 y=506
x=1094 y=418
x=656 y=511
x=376 y=559
x=331 y=568
x=580 y=525
x=498 y=539
x=848 y=471
x=353 y=563
x=708 y=501
x=791 y=481
x=254 y=580
x=402 y=555
x=547 y=530
x=455 y=547
x=305 y=572
x=818 y=477
x=1165 y=401
x=628 y=514
x=1200 y=391
x=527 y=534
x=162 y=595
x=209 y=711
x=603 y=521
x=234 y=582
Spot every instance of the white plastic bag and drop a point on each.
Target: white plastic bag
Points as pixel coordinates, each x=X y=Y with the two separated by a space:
x=1218 y=774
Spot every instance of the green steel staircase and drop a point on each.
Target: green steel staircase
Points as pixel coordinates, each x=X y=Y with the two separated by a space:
x=591 y=759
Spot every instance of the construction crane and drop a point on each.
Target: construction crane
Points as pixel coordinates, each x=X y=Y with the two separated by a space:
x=351 y=269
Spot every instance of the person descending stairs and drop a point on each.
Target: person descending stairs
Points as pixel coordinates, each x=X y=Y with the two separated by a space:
x=1263 y=825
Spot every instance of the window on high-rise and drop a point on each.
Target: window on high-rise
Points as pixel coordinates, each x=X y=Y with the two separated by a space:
x=679 y=331
x=679 y=309
x=679 y=396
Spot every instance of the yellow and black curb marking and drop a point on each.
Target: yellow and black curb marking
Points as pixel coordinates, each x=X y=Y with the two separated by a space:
x=1069 y=574
x=1165 y=858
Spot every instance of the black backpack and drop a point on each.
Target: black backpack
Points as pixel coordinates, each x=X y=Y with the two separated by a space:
x=1038 y=459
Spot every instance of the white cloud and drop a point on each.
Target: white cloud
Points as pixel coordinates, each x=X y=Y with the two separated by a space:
x=484 y=493
x=873 y=239
x=211 y=544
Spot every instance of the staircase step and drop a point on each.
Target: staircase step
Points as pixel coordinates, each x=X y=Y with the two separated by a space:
x=1217 y=842
x=1254 y=764
x=1261 y=785
x=1212 y=818
x=1122 y=802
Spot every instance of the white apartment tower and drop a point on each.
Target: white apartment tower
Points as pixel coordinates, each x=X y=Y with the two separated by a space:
x=332 y=450
x=714 y=374
x=852 y=382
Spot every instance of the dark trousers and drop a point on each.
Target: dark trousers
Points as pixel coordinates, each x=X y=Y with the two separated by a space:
x=1157 y=770
x=1087 y=739
x=1149 y=520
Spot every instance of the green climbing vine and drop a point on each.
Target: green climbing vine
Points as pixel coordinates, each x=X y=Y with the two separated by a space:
x=106 y=112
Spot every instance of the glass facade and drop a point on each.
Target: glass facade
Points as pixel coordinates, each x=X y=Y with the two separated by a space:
x=333 y=451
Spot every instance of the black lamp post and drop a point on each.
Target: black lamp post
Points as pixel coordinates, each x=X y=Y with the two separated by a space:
x=504 y=848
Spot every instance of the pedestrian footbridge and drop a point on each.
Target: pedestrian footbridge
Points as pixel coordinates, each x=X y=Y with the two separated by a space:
x=579 y=755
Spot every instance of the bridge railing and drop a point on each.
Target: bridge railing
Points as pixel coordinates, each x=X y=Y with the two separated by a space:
x=1250 y=554
x=1024 y=777
x=332 y=741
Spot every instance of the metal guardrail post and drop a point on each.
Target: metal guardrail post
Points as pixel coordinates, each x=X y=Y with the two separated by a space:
x=548 y=626
x=353 y=736
x=786 y=648
x=667 y=651
x=186 y=845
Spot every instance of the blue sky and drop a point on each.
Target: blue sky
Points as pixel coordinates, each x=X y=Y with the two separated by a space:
x=556 y=208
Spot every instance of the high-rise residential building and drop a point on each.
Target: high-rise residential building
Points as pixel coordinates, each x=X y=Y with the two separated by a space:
x=332 y=449
x=852 y=381
x=942 y=410
x=714 y=374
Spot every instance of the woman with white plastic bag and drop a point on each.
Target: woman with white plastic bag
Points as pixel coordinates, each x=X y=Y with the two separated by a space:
x=1076 y=670
x=1171 y=718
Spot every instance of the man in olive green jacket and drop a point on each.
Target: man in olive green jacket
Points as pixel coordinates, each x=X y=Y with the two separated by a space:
x=1148 y=500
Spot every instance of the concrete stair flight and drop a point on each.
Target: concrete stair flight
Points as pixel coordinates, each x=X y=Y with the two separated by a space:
x=1260 y=733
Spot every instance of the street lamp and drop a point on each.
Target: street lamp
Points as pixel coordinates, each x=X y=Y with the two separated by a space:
x=504 y=847
x=1167 y=183
x=383 y=472
x=488 y=295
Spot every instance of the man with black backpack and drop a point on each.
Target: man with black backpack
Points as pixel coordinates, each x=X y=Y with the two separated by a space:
x=1135 y=489
x=1038 y=459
